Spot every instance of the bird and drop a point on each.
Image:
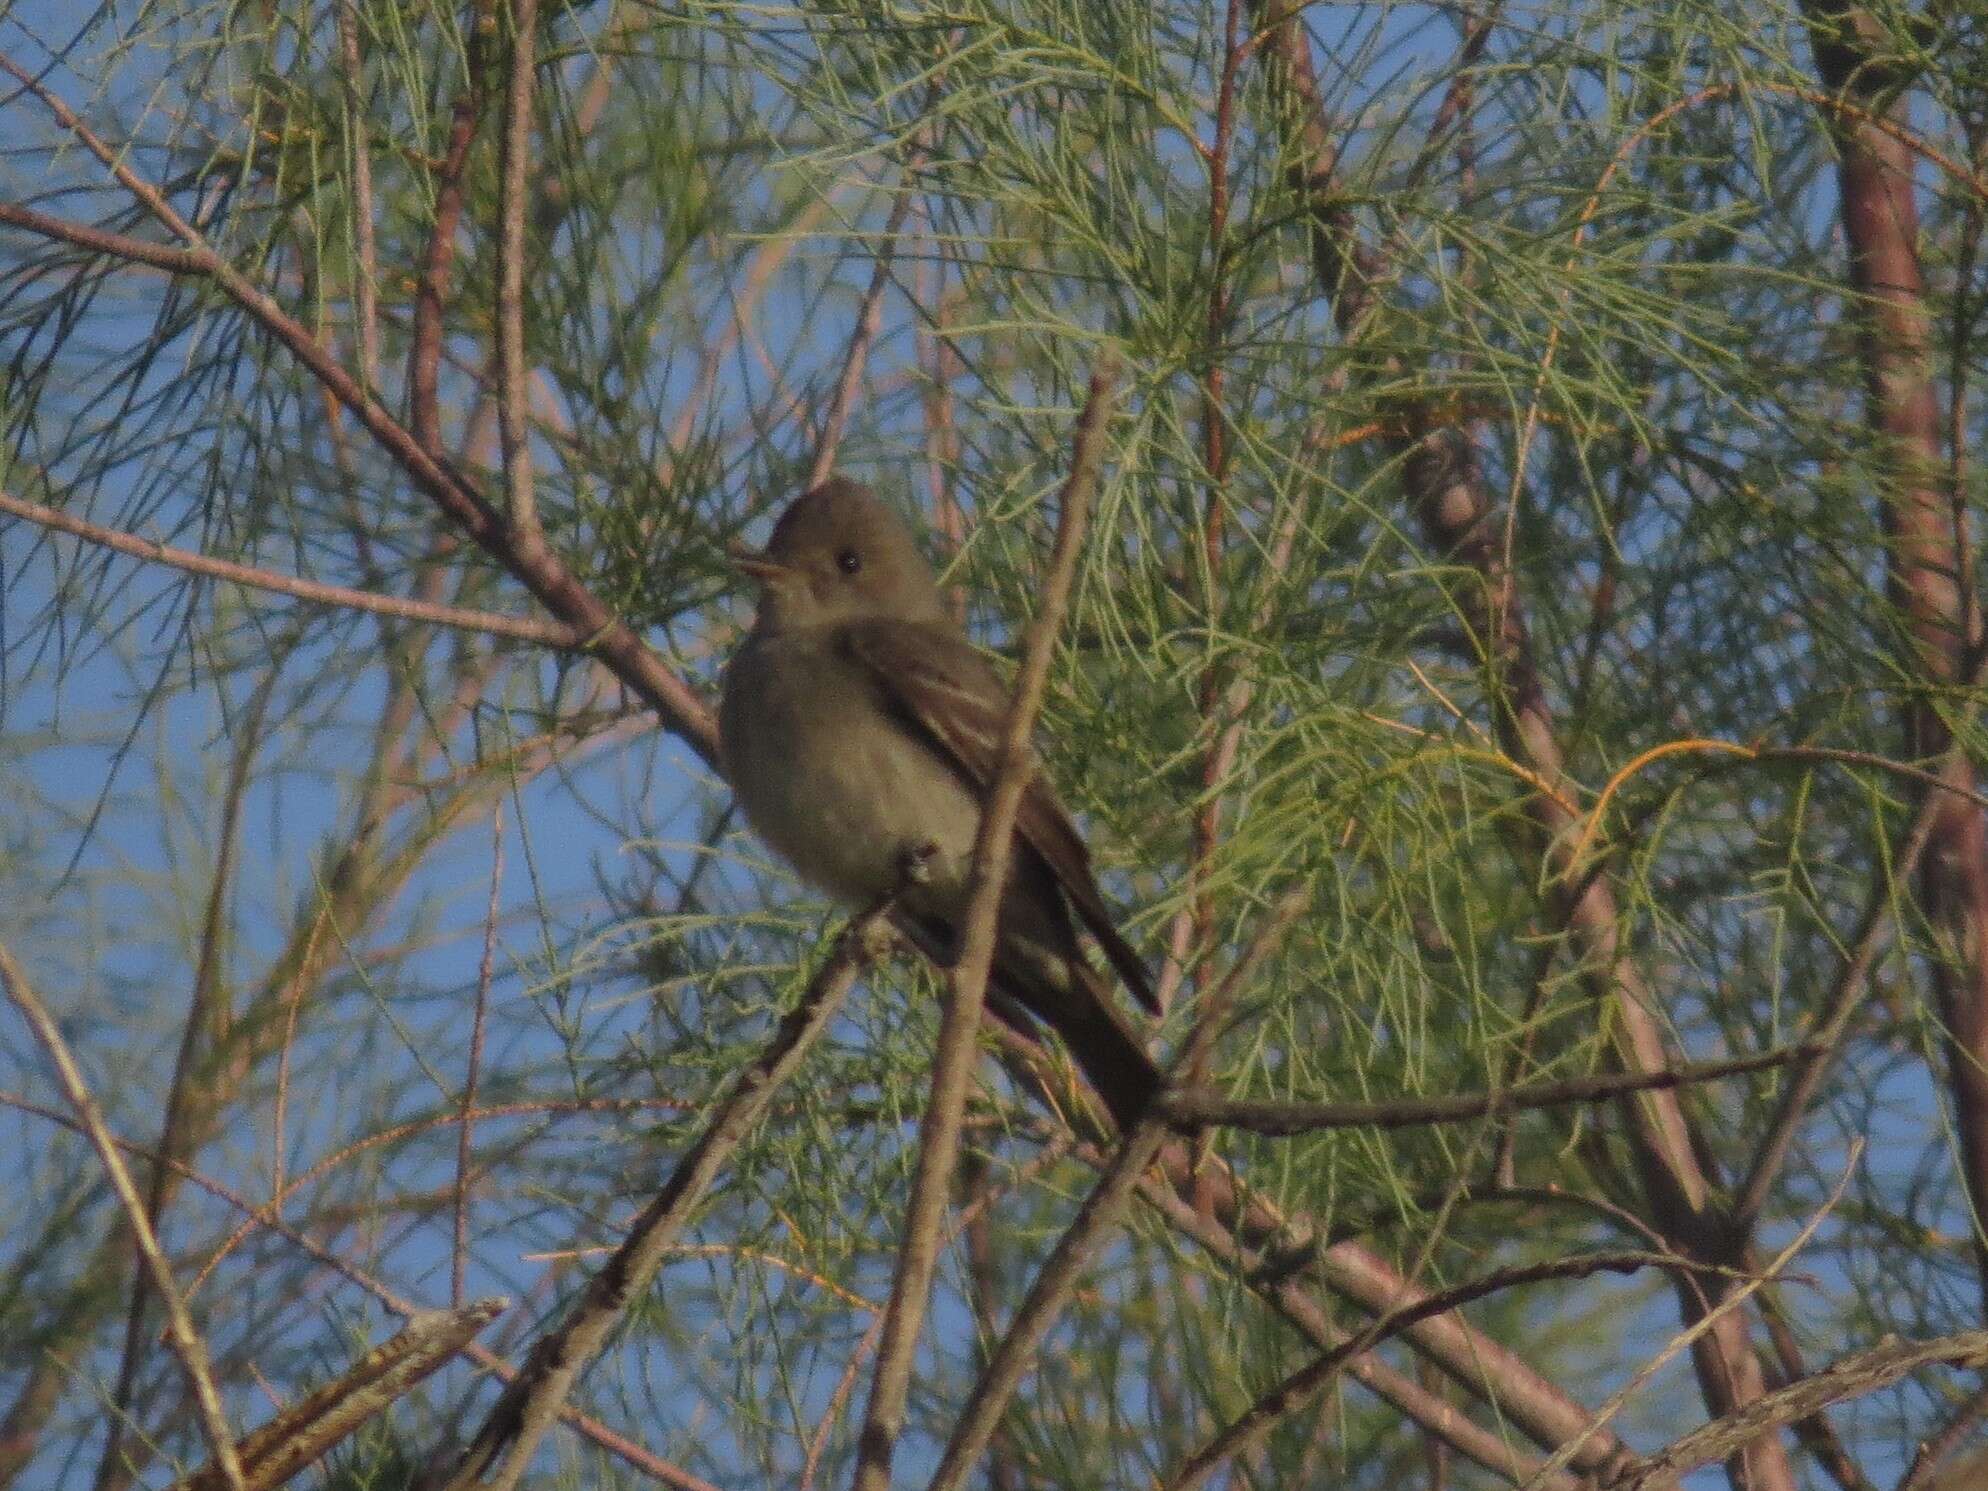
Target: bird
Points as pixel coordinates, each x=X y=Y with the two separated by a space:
x=860 y=731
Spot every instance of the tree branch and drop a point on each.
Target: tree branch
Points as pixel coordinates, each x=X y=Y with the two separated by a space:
x=101 y=241
x=185 y=1341
x=1309 y=1380
x=307 y=1431
x=536 y=567
x=1852 y=1376
x=1284 y=1118
x=959 y=1027
x=399 y=608
x=534 y=1399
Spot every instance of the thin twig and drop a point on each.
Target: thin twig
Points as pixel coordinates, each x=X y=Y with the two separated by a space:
x=1054 y=1283
x=869 y=316
x=459 y=1252
x=975 y=1211
x=424 y=351
x=1282 y=1288
x=1264 y=1116
x=1845 y=1000
x=533 y=1400
x=952 y=1072
x=1192 y=938
x=185 y=1341
x=204 y=1029
x=102 y=241
x=491 y=623
x=1707 y=1322
x=1282 y=1261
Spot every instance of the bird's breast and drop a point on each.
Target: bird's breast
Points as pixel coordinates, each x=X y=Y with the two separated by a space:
x=838 y=787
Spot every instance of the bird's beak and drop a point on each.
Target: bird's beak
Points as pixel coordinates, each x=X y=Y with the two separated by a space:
x=753 y=564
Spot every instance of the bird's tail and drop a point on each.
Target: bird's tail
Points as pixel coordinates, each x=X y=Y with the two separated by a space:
x=1112 y=1059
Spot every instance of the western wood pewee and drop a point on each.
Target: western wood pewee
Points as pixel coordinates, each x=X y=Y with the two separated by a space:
x=861 y=731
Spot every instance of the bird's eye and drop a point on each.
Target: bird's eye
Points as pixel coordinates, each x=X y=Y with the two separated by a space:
x=850 y=561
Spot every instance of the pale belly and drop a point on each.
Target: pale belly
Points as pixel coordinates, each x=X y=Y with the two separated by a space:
x=837 y=788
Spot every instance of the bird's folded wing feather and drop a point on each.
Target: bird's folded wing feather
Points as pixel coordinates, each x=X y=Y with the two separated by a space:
x=935 y=681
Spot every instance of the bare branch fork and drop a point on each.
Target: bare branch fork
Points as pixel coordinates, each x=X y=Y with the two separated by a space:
x=959 y=1027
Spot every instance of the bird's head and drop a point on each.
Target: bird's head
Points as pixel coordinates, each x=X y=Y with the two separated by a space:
x=838 y=554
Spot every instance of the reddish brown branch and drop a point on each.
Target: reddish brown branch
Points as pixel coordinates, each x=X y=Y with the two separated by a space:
x=431 y=295
x=366 y=270
x=513 y=410
x=491 y=623
x=869 y=317
x=1193 y=937
x=101 y=241
x=1928 y=557
x=1280 y=1280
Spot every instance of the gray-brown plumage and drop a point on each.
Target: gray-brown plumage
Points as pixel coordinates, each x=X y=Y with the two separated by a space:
x=858 y=727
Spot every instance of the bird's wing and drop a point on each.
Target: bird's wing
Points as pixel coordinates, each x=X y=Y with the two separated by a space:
x=933 y=680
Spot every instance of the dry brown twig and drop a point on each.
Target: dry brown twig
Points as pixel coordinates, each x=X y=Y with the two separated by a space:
x=459 y=1250
x=399 y=608
x=959 y=1027
x=869 y=316
x=185 y=1341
